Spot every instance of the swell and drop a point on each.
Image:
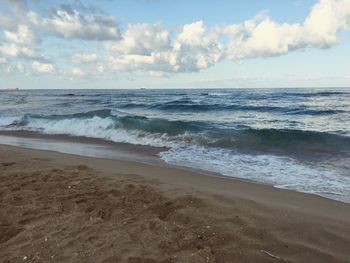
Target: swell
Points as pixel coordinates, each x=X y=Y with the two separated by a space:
x=188 y=106
x=316 y=94
x=105 y=124
x=103 y=113
x=284 y=141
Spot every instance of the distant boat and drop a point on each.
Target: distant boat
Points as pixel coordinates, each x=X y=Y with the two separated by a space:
x=143 y=88
x=9 y=89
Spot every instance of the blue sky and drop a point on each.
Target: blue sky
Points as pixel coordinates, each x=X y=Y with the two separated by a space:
x=174 y=44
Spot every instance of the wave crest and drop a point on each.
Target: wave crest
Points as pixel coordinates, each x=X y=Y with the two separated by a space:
x=132 y=129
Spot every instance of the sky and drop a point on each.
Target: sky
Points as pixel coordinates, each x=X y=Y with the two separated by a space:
x=174 y=44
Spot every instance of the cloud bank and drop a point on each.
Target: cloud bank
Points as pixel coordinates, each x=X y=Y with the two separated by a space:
x=157 y=50
x=71 y=25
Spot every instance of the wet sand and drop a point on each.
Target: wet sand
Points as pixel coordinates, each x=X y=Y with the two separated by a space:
x=62 y=208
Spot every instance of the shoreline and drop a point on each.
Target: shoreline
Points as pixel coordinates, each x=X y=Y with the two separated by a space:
x=105 y=149
x=185 y=175
x=83 y=146
x=126 y=147
x=135 y=153
x=127 y=211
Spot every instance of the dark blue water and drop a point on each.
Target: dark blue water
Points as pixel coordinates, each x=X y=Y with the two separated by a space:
x=291 y=138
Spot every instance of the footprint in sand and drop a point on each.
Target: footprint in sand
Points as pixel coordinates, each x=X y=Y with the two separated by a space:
x=8 y=163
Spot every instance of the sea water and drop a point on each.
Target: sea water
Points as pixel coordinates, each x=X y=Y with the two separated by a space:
x=291 y=138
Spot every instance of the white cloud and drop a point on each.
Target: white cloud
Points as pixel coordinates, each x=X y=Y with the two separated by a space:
x=3 y=60
x=192 y=34
x=45 y=68
x=15 y=51
x=33 y=18
x=85 y=58
x=142 y=39
x=263 y=37
x=18 y=67
x=142 y=47
x=73 y=25
x=158 y=74
x=151 y=48
x=23 y=36
x=128 y=62
x=77 y=72
x=148 y=47
x=6 y=22
x=161 y=52
x=196 y=48
x=324 y=22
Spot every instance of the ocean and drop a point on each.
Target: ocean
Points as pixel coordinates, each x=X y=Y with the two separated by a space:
x=295 y=139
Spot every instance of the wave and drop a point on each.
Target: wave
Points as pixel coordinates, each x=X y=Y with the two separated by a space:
x=189 y=106
x=302 y=111
x=103 y=113
x=106 y=124
x=296 y=142
x=93 y=127
x=8 y=121
x=329 y=93
x=295 y=138
x=282 y=172
x=312 y=94
x=218 y=94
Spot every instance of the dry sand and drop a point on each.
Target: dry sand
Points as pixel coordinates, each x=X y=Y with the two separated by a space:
x=63 y=208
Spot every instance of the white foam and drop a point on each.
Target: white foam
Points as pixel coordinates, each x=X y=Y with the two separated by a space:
x=95 y=127
x=7 y=120
x=218 y=94
x=281 y=172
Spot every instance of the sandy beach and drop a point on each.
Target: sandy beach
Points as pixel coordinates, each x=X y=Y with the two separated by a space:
x=62 y=208
x=151 y=131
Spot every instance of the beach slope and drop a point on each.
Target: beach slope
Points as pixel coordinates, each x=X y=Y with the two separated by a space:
x=62 y=208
